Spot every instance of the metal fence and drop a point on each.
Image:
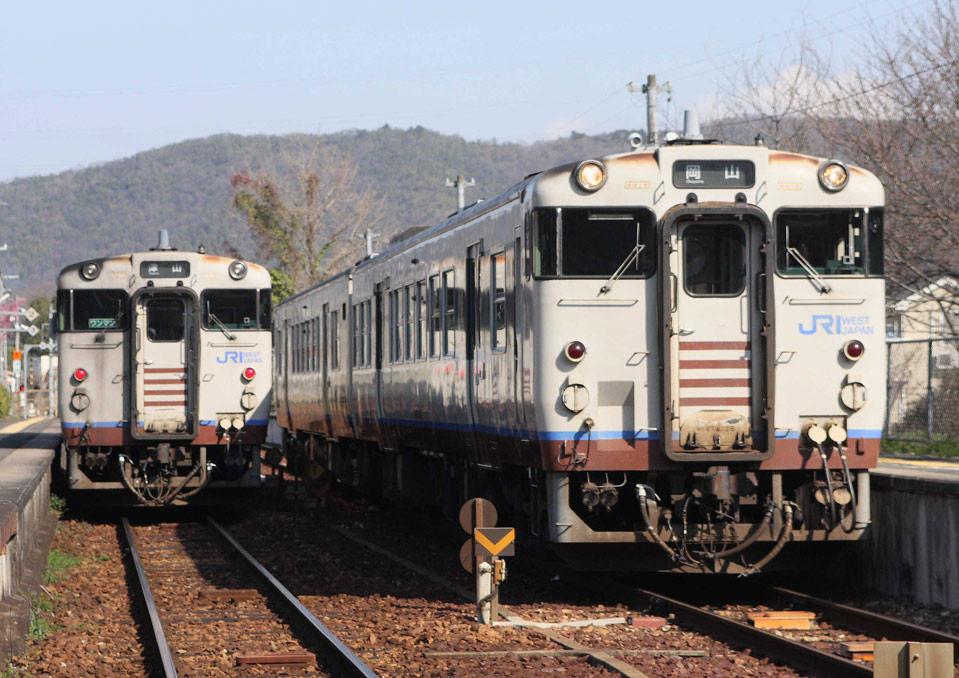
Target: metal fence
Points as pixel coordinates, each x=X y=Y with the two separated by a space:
x=922 y=389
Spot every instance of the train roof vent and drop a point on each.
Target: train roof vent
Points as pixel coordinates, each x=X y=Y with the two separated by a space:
x=163 y=244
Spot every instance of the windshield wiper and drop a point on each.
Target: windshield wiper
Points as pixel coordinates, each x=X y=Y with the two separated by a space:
x=810 y=271
x=630 y=258
x=223 y=328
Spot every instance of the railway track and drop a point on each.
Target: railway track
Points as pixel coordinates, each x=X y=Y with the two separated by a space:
x=810 y=658
x=210 y=617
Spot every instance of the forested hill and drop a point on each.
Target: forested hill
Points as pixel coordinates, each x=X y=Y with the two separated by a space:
x=119 y=206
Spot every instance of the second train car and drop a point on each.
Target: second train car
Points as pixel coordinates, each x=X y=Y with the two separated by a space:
x=668 y=359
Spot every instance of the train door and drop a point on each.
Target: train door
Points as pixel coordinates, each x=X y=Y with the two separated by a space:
x=325 y=369
x=165 y=363
x=475 y=353
x=717 y=361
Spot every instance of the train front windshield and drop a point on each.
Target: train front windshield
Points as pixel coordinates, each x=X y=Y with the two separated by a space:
x=92 y=310
x=593 y=243
x=236 y=309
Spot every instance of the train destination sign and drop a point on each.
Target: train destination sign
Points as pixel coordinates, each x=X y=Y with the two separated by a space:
x=164 y=269
x=714 y=174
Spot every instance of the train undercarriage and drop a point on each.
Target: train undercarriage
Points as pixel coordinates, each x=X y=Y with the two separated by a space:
x=710 y=519
x=162 y=474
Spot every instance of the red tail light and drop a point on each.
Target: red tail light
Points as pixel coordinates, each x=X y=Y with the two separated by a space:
x=854 y=349
x=80 y=374
x=249 y=373
x=575 y=351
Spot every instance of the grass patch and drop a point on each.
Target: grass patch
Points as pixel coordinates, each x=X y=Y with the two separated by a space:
x=945 y=448
x=57 y=505
x=59 y=565
x=40 y=624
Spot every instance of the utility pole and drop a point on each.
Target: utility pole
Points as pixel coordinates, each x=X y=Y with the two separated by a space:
x=369 y=235
x=460 y=185
x=651 y=89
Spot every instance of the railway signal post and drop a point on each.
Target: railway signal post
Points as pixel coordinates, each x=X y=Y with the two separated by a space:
x=481 y=554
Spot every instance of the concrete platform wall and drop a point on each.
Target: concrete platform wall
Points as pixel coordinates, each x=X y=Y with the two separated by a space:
x=914 y=550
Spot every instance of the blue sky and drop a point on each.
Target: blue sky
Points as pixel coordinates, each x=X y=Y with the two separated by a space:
x=82 y=83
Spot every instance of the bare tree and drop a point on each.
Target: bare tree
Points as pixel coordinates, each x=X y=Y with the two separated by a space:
x=305 y=215
x=896 y=115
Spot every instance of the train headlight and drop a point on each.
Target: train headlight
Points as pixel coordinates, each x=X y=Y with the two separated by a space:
x=590 y=175
x=249 y=373
x=238 y=270
x=575 y=351
x=853 y=349
x=833 y=175
x=90 y=271
x=80 y=374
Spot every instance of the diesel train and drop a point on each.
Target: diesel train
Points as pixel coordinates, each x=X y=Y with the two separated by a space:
x=670 y=359
x=166 y=366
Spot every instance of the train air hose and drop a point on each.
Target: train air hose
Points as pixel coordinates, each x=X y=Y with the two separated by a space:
x=643 y=492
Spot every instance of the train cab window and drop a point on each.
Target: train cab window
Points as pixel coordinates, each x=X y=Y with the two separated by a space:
x=593 y=243
x=824 y=242
x=235 y=309
x=166 y=319
x=92 y=310
x=714 y=260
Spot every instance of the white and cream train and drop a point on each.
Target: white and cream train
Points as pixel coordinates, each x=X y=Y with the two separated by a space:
x=668 y=359
x=165 y=363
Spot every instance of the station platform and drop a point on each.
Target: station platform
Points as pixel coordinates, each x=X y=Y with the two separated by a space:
x=27 y=523
x=914 y=546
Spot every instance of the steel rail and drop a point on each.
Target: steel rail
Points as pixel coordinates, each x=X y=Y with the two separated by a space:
x=795 y=654
x=351 y=662
x=872 y=623
x=163 y=647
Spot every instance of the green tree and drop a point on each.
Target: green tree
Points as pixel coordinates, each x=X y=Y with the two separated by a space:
x=282 y=285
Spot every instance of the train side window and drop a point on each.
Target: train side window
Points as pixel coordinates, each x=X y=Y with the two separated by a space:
x=874 y=242
x=830 y=242
x=396 y=323
x=334 y=340
x=165 y=319
x=714 y=260
x=544 y=242
x=266 y=308
x=498 y=301
x=449 y=313
x=368 y=333
x=409 y=313
x=96 y=311
x=357 y=358
x=422 y=313
x=436 y=315
x=315 y=345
